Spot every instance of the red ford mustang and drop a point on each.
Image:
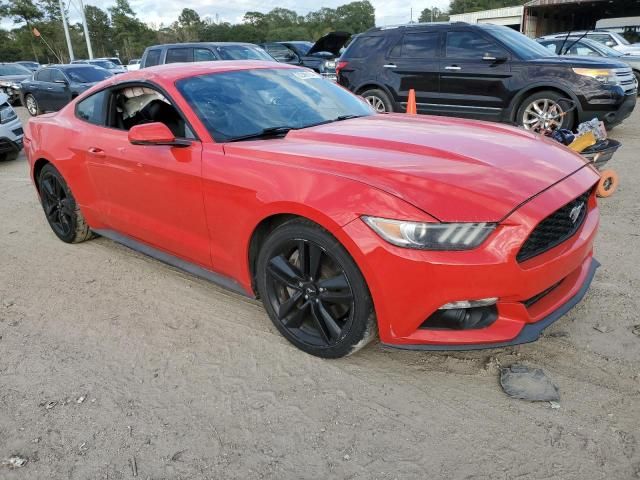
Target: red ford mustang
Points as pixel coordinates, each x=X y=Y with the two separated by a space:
x=437 y=233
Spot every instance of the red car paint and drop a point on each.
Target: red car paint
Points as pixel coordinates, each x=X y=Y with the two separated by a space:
x=204 y=202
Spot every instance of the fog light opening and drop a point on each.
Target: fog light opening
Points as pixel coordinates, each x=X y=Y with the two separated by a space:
x=461 y=318
x=483 y=302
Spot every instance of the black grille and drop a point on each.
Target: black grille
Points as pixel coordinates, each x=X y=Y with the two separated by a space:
x=536 y=298
x=555 y=229
x=17 y=131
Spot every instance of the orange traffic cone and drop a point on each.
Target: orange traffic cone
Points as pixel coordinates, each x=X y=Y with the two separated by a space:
x=411 y=103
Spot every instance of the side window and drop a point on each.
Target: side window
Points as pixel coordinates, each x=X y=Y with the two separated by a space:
x=280 y=52
x=91 y=109
x=57 y=76
x=602 y=38
x=202 y=55
x=420 y=45
x=177 y=55
x=363 y=46
x=44 y=75
x=133 y=106
x=582 y=49
x=552 y=47
x=153 y=58
x=470 y=45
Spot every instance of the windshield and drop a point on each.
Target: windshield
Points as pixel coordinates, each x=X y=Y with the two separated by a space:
x=246 y=102
x=620 y=38
x=524 y=47
x=242 y=52
x=14 y=69
x=104 y=64
x=600 y=48
x=87 y=74
x=302 y=47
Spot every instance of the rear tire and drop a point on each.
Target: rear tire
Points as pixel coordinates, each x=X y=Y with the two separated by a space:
x=60 y=207
x=378 y=99
x=314 y=292
x=6 y=157
x=31 y=104
x=534 y=107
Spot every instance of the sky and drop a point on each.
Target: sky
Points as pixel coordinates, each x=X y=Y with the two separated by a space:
x=388 y=12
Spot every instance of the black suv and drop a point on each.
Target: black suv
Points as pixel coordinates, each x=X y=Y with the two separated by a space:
x=486 y=72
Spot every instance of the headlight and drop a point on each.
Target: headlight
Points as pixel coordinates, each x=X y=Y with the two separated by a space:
x=7 y=113
x=603 y=75
x=431 y=236
x=8 y=84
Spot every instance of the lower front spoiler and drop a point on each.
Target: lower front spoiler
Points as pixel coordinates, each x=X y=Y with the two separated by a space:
x=530 y=333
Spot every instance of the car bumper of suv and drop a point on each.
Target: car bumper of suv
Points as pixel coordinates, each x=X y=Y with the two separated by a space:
x=409 y=286
x=11 y=137
x=613 y=111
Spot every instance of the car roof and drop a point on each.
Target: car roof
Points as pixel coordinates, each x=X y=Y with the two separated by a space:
x=172 y=72
x=199 y=44
x=66 y=66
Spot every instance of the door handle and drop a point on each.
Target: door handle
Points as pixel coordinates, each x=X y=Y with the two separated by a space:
x=390 y=65
x=452 y=67
x=96 y=152
x=49 y=88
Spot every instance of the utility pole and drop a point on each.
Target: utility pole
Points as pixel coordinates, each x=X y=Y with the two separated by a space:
x=66 y=32
x=432 y=14
x=86 y=30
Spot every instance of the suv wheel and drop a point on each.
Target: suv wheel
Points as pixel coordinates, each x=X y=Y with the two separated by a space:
x=544 y=111
x=378 y=100
x=32 y=105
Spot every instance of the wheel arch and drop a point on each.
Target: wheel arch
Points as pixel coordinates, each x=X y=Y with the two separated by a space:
x=539 y=87
x=38 y=165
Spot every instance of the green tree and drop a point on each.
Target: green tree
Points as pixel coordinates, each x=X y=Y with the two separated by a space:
x=437 y=15
x=100 y=32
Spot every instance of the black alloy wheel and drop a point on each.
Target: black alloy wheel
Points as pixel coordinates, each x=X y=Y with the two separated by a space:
x=60 y=207
x=313 y=291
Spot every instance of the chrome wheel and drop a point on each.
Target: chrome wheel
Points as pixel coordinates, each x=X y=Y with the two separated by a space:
x=543 y=114
x=32 y=106
x=376 y=103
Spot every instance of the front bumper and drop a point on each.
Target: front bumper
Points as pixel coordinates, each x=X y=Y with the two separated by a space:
x=408 y=286
x=11 y=137
x=612 y=111
x=14 y=94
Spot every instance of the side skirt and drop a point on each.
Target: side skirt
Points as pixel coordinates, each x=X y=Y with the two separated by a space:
x=218 y=279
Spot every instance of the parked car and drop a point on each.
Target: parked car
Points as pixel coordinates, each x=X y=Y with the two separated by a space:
x=10 y=130
x=106 y=64
x=320 y=56
x=33 y=66
x=279 y=185
x=585 y=46
x=51 y=88
x=115 y=60
x=485 y=72
x=202 y=52
x=134 y=64
x=610 y=39
x=11 y=74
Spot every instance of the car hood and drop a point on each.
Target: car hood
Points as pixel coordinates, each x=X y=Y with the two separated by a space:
x=453 y=169
x=581 y=61
x=331 y=42
x=14 y=78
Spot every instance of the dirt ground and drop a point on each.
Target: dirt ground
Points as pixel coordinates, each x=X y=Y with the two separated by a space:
x=116 y=366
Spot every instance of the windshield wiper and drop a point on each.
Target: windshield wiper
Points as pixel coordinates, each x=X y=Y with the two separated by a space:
x=265 y=132
x=337 y=119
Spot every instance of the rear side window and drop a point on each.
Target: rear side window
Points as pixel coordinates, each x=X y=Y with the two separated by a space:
x=203 y=55
x=421 y=45
x=363 y=46
x=92 y=108
x=153 y=58
x=177 y=55
x=44 y=75
x=471 y=45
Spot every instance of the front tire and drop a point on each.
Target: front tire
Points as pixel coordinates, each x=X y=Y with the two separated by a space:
x=31 y=105
x=314 y=292
x=60 y=207
x=378 y=99
x=542 y=110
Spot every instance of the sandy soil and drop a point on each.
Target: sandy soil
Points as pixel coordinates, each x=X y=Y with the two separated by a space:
x=183 y=380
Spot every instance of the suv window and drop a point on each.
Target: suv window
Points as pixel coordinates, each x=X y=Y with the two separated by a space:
x=57 y=76
x=363 y=46
x=153 y=58
x=602 y=38
x=176 y=55
x=44 y=75
x=91 y=109
x=420 y=45
x=279 y=52
x=203 y=55
x=471 y=45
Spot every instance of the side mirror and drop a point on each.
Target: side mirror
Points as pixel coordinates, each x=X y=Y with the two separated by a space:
x=610 y=43
x=155 y=133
